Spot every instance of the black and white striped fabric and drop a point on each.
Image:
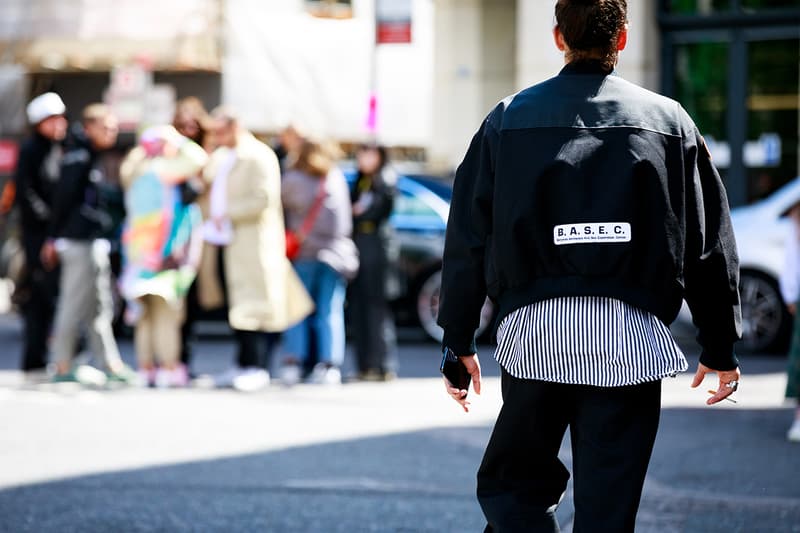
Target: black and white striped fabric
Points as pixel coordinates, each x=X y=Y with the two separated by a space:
x=587 y=341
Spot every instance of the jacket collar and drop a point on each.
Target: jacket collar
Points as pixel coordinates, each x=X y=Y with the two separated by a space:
x=585 y=66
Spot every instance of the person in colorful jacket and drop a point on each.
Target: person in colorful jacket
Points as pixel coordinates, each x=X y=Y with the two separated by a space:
x=161 y=248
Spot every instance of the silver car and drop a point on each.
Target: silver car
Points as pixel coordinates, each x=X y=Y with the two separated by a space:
x=761 y=230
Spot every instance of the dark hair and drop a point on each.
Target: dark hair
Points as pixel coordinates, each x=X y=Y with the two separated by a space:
x=383 y=153
x=191 y=108
x=591 y=28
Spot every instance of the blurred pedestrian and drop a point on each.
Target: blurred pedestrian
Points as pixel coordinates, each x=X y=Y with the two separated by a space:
x=290 y=140
x=790 y=289
x=190 y=120
x=80 y=220
x=317 y=206
x=161 y=246
x=246 y=219
x=587 y=208
x=36 y=179
x=372 y=196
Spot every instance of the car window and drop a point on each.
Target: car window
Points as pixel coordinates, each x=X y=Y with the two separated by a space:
x=406 y=204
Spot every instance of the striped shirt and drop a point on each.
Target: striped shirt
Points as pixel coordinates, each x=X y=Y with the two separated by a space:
x=587 y=341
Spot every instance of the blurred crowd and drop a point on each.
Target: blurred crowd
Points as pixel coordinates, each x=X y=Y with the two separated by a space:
x=199 y=215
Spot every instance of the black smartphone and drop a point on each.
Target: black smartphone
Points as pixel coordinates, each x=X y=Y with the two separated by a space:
x=454 y=370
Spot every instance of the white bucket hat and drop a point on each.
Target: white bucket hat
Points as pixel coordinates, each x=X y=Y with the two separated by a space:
x=44 y=106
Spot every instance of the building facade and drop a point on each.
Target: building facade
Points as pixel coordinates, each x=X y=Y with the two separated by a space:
x=733 y=64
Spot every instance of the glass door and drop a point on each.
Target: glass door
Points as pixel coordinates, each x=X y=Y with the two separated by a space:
x=773 y=115
x=741 y=87
x=701 y=80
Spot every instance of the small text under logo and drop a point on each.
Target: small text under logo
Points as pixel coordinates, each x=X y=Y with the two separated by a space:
x=592 y=233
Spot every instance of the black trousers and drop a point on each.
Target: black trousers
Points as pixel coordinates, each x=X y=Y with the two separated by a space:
x=187 y=329
x=521 y=480
x=255 y=348
x=372 y=322
x=39 y=292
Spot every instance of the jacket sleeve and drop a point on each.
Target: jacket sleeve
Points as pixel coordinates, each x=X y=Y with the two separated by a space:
x=469 y=225
x=711 y=265
x=132 y=166
x=260 y=172
x=27 y=197
x=71 y=186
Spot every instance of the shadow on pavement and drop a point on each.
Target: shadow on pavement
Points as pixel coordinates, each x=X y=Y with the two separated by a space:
x=711 y=472
x=721 y=471
x=420 y=481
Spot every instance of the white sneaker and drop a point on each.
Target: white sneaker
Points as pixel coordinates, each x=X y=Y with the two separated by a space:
x=89 y=375
x=251 y=379
x=794 y=432
x=290 y=375
x=226 y=379
x=325 y=375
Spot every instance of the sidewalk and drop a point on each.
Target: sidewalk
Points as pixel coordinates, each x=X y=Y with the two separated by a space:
x=363 y=457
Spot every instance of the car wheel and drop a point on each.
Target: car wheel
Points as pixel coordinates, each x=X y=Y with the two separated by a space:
x=428 y=308
x=765 y=320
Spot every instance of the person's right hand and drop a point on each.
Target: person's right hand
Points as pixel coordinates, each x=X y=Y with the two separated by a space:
x=474 y=368
x=48 y=255
x=725 y=377
x=792 y=308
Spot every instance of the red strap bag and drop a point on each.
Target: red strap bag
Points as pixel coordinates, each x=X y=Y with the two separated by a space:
x=294 y=239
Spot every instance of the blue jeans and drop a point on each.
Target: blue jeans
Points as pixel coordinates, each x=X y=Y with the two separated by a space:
x=327 y=288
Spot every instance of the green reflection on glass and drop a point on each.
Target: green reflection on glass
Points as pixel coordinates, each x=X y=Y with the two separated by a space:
x=701 y=7
x=701 y=85
x=773 y=109
x=769 y=4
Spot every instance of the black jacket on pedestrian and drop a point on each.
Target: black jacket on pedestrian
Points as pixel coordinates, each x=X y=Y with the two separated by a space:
x=381 y=188
x=85 y=200
x=36 y=180
x=588 y=185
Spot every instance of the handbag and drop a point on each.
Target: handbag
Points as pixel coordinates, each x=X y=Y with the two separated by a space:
x=294 y=239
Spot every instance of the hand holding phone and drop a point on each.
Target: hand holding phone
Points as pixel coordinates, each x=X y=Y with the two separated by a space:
x=454 y=370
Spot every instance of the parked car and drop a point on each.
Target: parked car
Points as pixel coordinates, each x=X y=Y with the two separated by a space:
x=761 y=230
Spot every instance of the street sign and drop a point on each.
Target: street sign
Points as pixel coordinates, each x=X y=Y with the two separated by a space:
x=393 y=22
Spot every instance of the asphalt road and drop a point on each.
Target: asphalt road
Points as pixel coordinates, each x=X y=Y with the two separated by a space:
x=361 y=457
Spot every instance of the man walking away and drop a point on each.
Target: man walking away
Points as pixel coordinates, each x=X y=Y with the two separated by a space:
x=587 y=208
x=79 y=221
x=36 y=179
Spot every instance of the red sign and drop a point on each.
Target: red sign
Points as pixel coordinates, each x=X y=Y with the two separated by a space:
x=9 y=153
x=394 y=32
x=393 y=21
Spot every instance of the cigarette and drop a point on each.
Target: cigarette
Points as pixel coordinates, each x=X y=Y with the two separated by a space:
x=728 y=398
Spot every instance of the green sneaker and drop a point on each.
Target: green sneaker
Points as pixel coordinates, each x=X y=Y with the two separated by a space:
x=68 y=377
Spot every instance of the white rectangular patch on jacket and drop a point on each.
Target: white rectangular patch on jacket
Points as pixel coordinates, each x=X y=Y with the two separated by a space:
x=592 y=233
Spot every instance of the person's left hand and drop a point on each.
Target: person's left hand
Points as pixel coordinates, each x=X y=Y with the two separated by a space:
x=725 y=377
x=474 y=368
x=48 y=255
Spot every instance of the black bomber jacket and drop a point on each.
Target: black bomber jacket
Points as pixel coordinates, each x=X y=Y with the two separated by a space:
x=588 y=185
